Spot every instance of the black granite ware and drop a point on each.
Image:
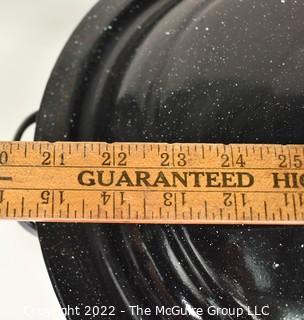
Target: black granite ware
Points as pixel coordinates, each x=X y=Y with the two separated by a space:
x=187 y=71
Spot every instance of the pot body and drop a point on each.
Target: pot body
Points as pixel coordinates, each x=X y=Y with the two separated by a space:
x=179 y=71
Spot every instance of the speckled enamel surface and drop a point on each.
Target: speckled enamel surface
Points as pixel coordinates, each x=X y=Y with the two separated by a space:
x=190 y=71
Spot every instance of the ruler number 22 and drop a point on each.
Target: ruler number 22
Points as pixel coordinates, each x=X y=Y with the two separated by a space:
x=107 y=159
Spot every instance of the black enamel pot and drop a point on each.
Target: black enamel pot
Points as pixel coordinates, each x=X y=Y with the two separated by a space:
x=188 y=71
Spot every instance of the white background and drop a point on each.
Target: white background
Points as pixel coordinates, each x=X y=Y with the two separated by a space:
x=32 y=34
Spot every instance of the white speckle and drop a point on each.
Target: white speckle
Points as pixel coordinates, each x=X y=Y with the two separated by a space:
x=65 y=135
x=275 y=265
x=283 y=1
x=167 y=33
x=109 y=27
x=302 y=245
x=207 y=28
x=196 y=27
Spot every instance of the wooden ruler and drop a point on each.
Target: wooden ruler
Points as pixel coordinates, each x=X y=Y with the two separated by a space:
x=152 y=182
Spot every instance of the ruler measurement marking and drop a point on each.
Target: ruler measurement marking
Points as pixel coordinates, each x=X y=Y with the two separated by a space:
x=84 y=150
x=150 y=190
x=266 y=210
x=113 y=155
x=54 y=156
x=178 y=212
x=206 y=210
x=289 y=157
x=172 y=151
x=22 y=206
x=113 y=205
x=98 y=210
x=83 y=208
x=175 y=206
x=145 y=209
x=203 y=151
x=294 y=206
x=155 y=167
x=7 y=208
x=53 y=203
x=231 y=151
x=6 y=178
x=25 y=150
x=235 y=205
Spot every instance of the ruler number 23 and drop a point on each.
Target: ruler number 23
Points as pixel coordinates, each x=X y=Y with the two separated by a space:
x=165 y=159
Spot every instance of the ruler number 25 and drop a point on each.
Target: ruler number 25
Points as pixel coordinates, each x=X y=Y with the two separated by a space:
x=295 y=161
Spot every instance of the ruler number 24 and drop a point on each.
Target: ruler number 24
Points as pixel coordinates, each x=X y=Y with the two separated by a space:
x=227 y=162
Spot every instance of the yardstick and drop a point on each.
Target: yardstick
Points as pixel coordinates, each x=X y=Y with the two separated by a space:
x=125 y=182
